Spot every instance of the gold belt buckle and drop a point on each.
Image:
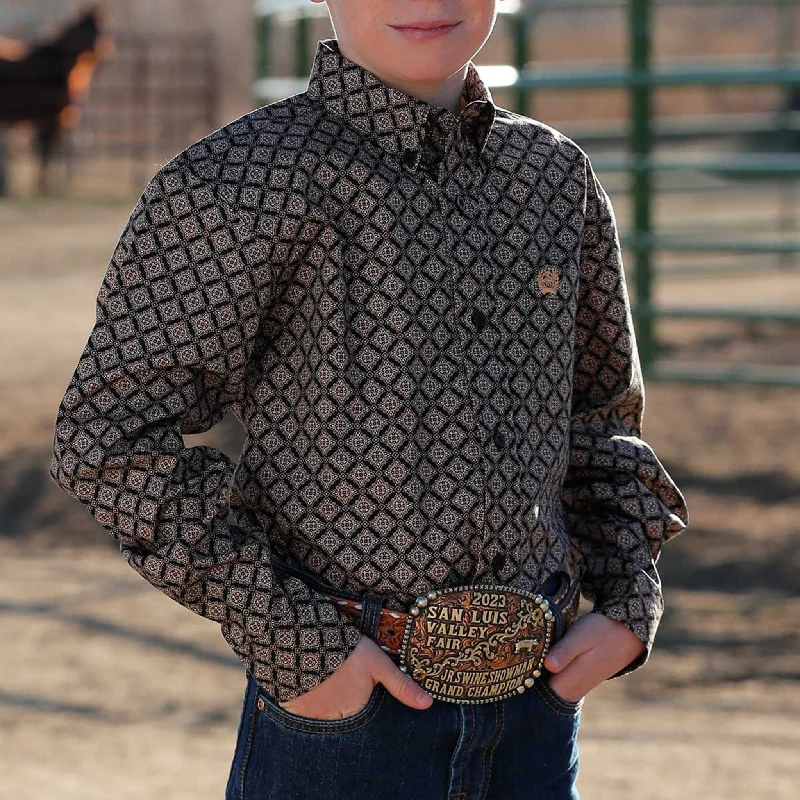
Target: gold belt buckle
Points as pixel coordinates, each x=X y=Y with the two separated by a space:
x=476 y=644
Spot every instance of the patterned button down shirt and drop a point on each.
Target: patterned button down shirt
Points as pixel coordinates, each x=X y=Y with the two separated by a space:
x=422 y=322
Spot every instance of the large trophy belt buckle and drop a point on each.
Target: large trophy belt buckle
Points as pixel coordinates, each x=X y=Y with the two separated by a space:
x=476 y=644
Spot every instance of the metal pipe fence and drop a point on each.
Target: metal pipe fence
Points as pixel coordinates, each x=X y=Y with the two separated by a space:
x=645 y=169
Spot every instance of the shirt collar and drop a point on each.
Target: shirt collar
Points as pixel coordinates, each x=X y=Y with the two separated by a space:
x=396 y=120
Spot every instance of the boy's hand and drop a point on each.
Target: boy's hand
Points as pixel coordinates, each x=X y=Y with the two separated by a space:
x=593 y=649
x=346 y=690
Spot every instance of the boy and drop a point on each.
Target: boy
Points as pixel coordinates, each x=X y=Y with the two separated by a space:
x=415 y=303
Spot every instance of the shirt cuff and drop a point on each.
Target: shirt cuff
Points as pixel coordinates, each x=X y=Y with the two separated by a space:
x=637 y=602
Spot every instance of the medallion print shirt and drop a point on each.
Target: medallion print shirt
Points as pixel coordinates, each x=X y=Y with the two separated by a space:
x=421 y=320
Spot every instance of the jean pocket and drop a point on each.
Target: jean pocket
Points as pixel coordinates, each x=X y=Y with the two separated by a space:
x=555 y=702
x=269 y=707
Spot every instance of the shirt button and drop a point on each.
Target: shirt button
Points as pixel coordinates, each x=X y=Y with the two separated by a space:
x=499 y=439
x=461 y=202
x=498 y=561
x=478 y=318
x=410 y=156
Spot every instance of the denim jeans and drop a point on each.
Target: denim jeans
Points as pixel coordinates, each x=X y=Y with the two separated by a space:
x=522 y=747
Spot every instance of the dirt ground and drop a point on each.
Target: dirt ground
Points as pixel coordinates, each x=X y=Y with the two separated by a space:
x=109 y=689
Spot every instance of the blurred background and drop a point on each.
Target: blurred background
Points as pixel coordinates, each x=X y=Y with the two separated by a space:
x=690 y=112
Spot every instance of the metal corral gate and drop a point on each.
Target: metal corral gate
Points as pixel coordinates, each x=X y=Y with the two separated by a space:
x=641 y=79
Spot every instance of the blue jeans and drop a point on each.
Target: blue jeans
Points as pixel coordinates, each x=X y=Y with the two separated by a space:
x=523 y=747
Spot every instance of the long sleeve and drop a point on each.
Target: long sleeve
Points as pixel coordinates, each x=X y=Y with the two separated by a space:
x=620 y=503
x=178 y=317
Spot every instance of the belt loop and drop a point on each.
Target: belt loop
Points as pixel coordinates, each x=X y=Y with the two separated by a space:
x=371 y=607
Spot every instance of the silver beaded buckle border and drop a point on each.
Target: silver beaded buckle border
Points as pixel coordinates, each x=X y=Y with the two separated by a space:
x=421 y=607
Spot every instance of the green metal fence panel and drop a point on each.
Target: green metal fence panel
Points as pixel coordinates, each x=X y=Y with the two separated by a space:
x=640 y=78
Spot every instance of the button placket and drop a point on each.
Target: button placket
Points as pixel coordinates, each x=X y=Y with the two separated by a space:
x=453 y=192
x=466 y=198
x=474 y=452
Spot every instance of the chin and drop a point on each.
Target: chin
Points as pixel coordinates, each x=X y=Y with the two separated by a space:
x=415 y=64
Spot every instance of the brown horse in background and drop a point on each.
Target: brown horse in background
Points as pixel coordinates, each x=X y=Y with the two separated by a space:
x=45 y=84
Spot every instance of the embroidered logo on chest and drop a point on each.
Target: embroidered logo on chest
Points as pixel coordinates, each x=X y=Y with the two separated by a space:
x=547 y=279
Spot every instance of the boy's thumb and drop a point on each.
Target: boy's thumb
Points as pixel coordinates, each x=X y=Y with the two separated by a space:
x=404 y=688
x=562 y=653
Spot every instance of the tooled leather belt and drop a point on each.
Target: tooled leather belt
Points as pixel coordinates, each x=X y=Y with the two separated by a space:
x=471 y=644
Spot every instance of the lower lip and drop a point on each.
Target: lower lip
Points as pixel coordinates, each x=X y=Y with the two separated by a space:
x=426 y=33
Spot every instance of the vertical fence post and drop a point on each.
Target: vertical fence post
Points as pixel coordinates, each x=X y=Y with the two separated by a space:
x=787 y=186
x=3 y=163
x=641 y=136
x=212 y=120
x=263 y=32
x=302 y=53
x=519 y=29
x=141 y=121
